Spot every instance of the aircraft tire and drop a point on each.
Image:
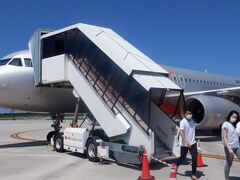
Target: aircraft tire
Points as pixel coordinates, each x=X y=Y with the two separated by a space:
x=50 y=135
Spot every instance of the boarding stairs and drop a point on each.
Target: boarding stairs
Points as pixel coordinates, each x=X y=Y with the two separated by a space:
x=91 y=60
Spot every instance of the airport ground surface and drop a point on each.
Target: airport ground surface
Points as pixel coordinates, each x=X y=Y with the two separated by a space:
x=25 y=155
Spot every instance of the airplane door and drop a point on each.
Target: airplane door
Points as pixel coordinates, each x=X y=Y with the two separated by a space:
x=174 y=78
x=181 y=81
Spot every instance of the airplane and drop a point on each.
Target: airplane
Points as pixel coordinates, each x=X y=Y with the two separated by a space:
x=17 y=90
x=210 y=97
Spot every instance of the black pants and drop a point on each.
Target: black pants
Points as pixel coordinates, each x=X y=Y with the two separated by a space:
x=193 y=151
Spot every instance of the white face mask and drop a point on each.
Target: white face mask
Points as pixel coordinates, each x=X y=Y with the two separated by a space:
x=233 y=120
x=189 y=116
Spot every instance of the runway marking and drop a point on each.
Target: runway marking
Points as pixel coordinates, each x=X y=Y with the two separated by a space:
x=18 y=137
x=217 y=156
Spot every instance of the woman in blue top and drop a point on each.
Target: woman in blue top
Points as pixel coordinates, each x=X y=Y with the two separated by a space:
x=230 y=140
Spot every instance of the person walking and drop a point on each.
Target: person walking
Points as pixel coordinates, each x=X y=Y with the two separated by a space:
x=187 y=142
x=230 y=140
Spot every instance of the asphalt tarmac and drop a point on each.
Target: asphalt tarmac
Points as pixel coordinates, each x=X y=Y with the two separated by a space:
x=25 y=155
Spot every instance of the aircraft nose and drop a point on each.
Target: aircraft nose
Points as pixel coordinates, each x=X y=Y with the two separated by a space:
x=3 y=85
x=4 y=76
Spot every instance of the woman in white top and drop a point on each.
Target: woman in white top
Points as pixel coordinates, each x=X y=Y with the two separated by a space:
x=230 y=140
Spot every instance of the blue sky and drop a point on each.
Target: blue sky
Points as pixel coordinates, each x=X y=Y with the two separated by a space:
x=196 y=34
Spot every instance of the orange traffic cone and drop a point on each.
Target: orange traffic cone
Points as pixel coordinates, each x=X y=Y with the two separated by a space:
x=199 y=160
x=145 y=169
x=173 y=173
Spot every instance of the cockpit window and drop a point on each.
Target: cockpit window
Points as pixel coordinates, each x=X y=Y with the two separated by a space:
x=28 y=62
x=4 y=61
x=16 y=62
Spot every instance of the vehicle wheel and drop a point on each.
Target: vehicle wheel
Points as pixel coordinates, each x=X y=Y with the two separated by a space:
x=92 y=150
x=58 y=143
x=49 y=136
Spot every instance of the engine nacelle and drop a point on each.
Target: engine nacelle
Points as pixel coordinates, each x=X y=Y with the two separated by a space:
x=209 y=111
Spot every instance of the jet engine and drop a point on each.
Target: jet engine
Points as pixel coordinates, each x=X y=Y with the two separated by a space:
x=210 y=111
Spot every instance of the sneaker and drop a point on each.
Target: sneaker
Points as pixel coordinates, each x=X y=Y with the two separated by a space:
x=194 y=177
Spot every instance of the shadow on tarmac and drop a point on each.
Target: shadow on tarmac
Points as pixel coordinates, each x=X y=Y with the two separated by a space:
x=130 y=166
x=76 y=154
x=83 y=156
x=234 y=178
x=24 y=144
x=207 y=136
x=209 y=139
x=189 y=174
x=157 y=166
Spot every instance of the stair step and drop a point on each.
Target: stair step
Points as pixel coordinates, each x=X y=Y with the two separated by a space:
x=161 y=150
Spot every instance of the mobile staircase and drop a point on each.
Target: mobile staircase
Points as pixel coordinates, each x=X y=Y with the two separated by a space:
x=128 y=94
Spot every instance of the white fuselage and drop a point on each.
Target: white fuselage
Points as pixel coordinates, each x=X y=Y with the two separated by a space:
x=17 y=90
x=193 y=81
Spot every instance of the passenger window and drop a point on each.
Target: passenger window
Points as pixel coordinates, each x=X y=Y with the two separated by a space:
x=16 y=62
x=28 y=62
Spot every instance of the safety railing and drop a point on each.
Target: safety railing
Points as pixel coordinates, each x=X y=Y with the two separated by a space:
x=103 y=87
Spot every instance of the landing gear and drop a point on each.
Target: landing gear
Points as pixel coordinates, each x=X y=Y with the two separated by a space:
x=49 y=136
x=57 y=118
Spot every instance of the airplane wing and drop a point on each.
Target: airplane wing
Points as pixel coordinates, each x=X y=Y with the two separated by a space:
x=234 y=91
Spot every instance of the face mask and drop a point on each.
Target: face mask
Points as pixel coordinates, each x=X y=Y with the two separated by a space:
x=189 y=116
x=233 y=120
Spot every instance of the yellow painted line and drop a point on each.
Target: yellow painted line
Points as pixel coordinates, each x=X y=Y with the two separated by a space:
x=18 y=137
x=217 y=157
